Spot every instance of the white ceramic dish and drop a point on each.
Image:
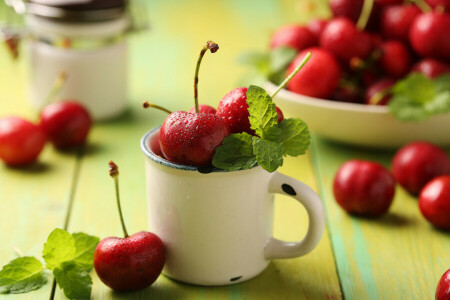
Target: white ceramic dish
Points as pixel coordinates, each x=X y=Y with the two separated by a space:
x=358 y=124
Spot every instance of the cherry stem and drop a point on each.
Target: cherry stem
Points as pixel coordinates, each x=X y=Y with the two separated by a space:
x=283 y=84
x=147 y=104
x=365 y=14
x=114 y=173
x=56 y=88
x=213 y=47
x=18 y=252
x=423 y=5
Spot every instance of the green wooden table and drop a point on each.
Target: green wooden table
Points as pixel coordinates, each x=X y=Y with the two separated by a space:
x=399 y=256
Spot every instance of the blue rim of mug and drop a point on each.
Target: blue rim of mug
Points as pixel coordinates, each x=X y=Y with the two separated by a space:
x=158 y=159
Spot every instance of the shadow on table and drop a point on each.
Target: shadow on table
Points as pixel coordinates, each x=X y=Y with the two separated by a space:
x=35 y=168
x=390 y=219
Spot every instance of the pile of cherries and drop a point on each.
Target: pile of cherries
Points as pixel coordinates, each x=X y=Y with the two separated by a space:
x=65 y=124
x=359 y=54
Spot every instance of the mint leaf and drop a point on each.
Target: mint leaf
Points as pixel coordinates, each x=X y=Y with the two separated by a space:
x=60 y=247
x=294 y=136
x=280 y=58
x=269 y=154
x=440 y=104
x=417 y=97
x=262 y=110
x=74 y=280
x=416 y=87
x=85 y=246
x=22 y=275
x=442 y=83
x=235 y=153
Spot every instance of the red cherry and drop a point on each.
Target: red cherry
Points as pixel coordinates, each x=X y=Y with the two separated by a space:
x=443 y=288
x=21 y=141
x=316 y=27
x=364 y=188
x=348 y=94
x=294 y=36
x=445 y=4
x=431 y=68
x=319 y=77
x=203 y=108
x=233 y=109
x=66 y=123
x=280 y=115
x=191 y=139
x=434 y=202
x=380 y=86
x=345 y=41
x=389 y=2
x=351 y=9
x=395 y=59
x=429 y=35
x=131 y=263
x=396 y=21
x=415 y=164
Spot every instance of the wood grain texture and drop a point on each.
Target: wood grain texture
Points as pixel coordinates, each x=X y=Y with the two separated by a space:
x=398 y=256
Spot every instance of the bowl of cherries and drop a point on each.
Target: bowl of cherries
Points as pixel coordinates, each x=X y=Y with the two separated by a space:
x=379 y=74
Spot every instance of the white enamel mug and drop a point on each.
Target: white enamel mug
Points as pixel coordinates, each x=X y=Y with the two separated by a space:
x=217 y=225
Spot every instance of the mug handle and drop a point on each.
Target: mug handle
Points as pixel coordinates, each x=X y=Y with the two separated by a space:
x=282 y=184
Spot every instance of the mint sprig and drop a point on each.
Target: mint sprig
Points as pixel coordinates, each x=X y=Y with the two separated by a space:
x=69 y=256
x=274 y=141
x=269 y=65
x=418 y=97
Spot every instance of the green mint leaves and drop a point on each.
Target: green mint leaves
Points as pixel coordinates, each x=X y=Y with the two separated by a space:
x=273 y=141
x=269 y=65
x=22 y=275
x=69 y=256
x=417 y=97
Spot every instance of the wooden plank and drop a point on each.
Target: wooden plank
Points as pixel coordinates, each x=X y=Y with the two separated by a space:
x=398 y=256
x=162 y=65
x=33 y=200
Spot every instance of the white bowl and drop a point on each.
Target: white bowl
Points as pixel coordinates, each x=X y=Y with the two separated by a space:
x=359 y=124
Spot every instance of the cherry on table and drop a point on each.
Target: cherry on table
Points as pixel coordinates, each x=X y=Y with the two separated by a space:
x=415 y=164
x=66 y=123
x=294 y=36
x=430 y=35
x=319 y=77
x=21 y=141
x=443 y=287
x=434 y=202
x=431 y=68
x=396 y=21
x=364 y=188
x=132 y=262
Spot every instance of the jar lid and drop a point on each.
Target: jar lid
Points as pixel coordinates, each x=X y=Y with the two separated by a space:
x=78 y=10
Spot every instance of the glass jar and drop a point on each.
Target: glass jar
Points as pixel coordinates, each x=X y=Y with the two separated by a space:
x=87 y=42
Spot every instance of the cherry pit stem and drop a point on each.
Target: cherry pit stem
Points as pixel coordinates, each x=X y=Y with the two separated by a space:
x=423 y=5
x=114 y=173
x=56 y=88
x=213 y=47
x=298 y=68
x=365 y=14
x=147 y=104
